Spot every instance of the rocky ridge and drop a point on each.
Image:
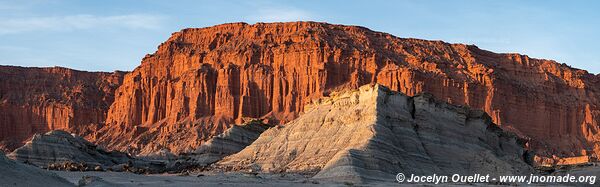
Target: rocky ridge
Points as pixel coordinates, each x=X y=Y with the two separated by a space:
x=59 y=150
x=38 y=100
x=58 y=146
x=201 y=81
x=229 y=142
x=373 y=133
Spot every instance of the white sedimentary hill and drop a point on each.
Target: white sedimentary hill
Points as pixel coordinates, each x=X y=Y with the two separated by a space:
x=59 y=146
x=374 y=133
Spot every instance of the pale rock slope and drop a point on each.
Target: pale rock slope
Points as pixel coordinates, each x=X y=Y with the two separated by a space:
x=38 y=100
x=200 y=81
x=374 y=133
x=227 y=143
x=59 y=146
x=230 y=142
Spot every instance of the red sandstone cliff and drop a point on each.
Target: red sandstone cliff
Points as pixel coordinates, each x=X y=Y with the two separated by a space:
x=201 y=80
x=37 y=100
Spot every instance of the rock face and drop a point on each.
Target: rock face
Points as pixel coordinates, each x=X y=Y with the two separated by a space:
x=59 y=147
x=37 y=100
x=373 y=133
x=17 y=174
x=200 y=81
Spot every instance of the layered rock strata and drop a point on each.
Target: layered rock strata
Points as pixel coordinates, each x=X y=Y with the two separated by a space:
x=59 y=150
x=373 y=133
x=200 y=81
x=57 y=147
x=37 y=100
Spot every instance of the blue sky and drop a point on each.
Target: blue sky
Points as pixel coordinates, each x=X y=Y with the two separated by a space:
x=115 y=35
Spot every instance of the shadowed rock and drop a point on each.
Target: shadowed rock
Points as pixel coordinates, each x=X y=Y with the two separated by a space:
x=231 y=141
x=202 y=80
